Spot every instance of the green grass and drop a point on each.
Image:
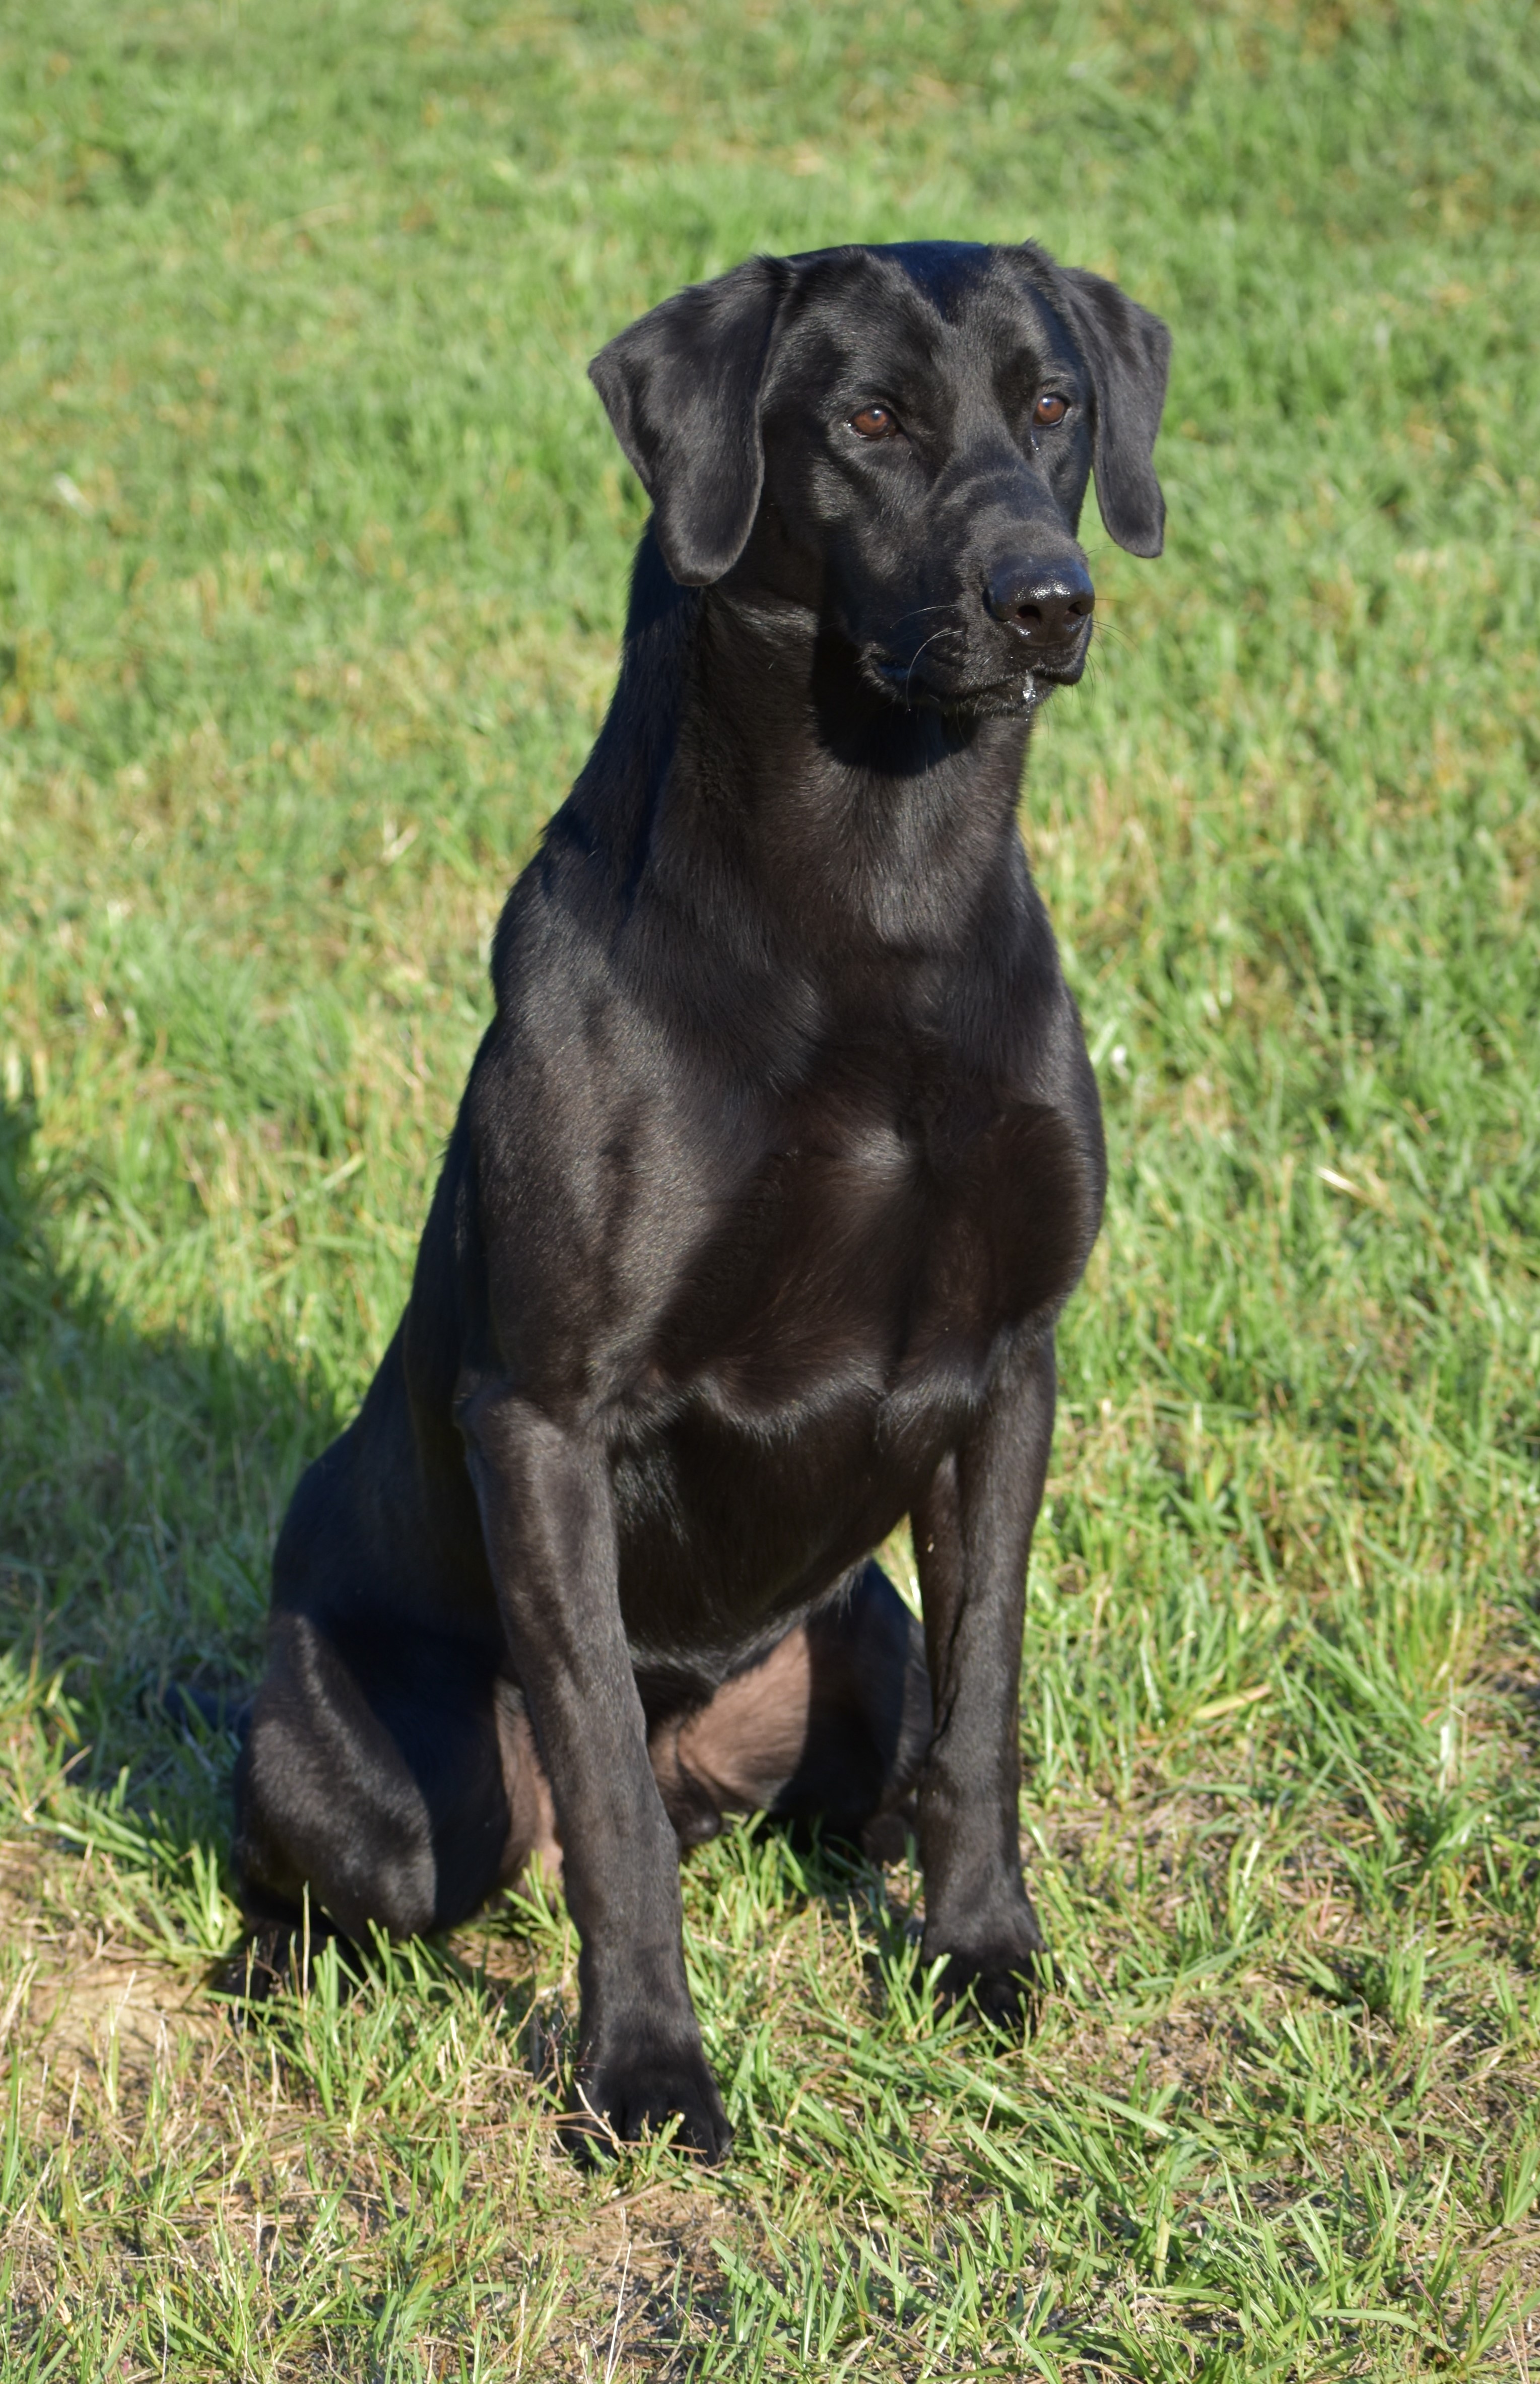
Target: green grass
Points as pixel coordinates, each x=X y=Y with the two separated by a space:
x=312 y=558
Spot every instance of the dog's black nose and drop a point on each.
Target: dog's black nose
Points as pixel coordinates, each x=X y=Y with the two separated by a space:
x=1044 y=602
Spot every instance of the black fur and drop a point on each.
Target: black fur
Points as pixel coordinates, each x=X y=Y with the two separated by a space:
x=778 y=1161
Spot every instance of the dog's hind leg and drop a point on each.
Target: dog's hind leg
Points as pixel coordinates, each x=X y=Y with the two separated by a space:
x=397 y=1783
x=830 y=1727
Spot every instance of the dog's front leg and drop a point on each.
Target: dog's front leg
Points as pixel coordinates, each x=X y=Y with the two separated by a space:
x=547 y=1516
x=973 y=1532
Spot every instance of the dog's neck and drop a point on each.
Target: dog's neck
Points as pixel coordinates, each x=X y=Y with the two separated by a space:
x=744 y=743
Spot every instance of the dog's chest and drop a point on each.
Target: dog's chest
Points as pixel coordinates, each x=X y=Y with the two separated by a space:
x=867 y=1251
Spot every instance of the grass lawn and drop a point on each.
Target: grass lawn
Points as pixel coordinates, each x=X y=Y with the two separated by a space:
x=312 y=548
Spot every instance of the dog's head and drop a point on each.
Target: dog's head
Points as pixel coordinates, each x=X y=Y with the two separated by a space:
x=900 y=440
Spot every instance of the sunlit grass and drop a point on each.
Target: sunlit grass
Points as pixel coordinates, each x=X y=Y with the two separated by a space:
x=314 y=556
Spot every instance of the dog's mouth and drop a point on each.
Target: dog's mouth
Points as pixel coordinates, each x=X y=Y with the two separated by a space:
x=1017 y=694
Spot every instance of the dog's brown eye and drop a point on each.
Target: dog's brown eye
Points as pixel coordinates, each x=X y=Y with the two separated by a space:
x=874 y=422
x=1049 y=410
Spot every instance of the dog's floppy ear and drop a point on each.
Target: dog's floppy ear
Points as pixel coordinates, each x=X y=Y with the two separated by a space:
x=1129 y=350
x=681 y=389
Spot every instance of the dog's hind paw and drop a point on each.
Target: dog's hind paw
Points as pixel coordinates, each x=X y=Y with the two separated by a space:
x=263 y=1965
x=624 y=2096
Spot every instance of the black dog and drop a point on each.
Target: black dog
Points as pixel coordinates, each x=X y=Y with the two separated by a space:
x=776 y=1165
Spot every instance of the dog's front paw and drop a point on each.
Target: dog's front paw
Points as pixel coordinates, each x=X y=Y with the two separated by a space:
x=1003 y=1979
x=628 y=2092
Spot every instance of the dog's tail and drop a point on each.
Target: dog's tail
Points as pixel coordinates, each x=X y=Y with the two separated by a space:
x=203 y=1713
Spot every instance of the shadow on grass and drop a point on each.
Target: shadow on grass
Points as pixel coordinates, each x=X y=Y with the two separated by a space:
x=142 y=1480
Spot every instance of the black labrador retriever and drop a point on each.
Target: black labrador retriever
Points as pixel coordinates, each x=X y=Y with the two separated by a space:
x=776 y=1165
